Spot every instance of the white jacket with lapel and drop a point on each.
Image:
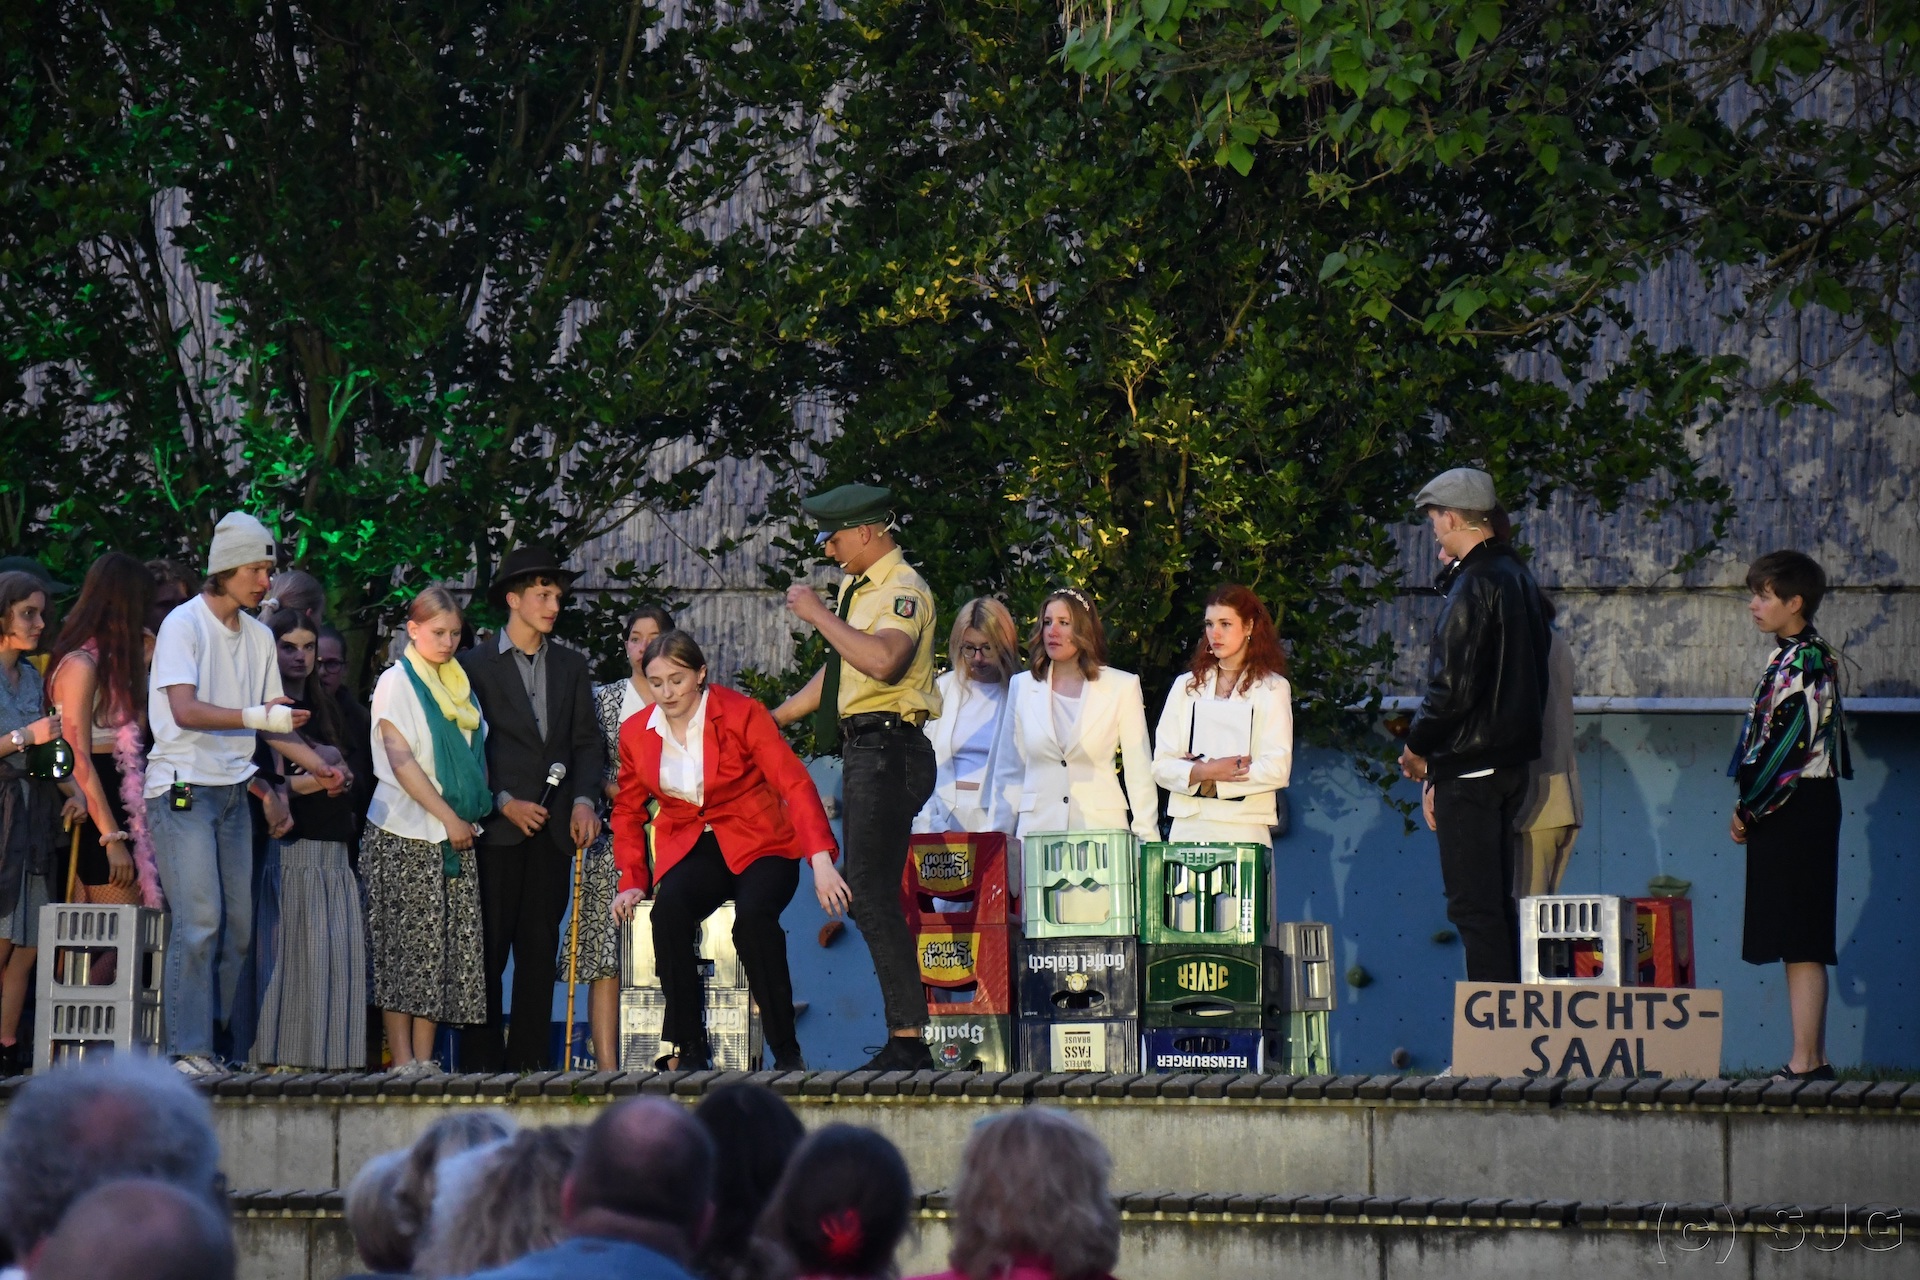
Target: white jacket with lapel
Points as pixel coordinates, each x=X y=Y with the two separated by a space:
x=995 y=805
x=1073 y=786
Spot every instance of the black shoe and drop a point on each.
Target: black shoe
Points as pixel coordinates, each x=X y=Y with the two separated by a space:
x=1822 y=1072
x=694 y=1057
x=901 y=1053
x=12 y=1060
x=789 y=1059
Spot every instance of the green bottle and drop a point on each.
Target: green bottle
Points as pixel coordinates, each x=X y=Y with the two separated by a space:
x=50 y=760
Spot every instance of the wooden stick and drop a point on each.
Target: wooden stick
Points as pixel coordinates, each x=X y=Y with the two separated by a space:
x=573 y=960
x=73 y=860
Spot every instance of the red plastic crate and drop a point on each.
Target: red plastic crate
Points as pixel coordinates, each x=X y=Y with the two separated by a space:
x=965 y=970
x=1663 y=934
x=956 y=878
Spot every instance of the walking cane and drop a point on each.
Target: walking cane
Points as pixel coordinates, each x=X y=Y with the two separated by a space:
x=573 y=956
x=73 y=860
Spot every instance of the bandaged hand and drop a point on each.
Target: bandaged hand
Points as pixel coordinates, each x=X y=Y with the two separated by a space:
x=268 y=718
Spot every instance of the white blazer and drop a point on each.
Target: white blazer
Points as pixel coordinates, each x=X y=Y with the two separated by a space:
x=1072 y=786
x=992 y=808
x=1248 y=804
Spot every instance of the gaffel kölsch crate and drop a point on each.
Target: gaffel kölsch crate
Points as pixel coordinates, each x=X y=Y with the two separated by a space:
x=1053 y=1046
x=1204 y=893
x=1186 y=986
x=1078 y=979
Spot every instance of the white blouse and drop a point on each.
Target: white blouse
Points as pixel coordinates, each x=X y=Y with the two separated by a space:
x=1066 y=714
x=974 y=724
x=683 y=769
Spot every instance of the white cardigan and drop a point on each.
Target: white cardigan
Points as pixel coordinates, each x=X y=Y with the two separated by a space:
x=992 y=808
x=1072 y=786
x=1239 y=804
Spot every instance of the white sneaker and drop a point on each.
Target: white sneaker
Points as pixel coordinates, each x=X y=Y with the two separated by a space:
x=417 y=1068
x=197 y=1064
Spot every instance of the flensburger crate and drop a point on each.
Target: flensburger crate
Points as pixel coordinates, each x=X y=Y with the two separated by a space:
x=1207 y=1048
x=719 y=962
x=1081 y=884
x=957 y=878
x=1237 y=987
x=1204 y=893
x=1078 y=979
x=1306 y=966
x=1112 y=1045
x=101 y=973
x=971 y=1042
x=1584 y=939
x=965 y=970
x=733 y=1029
x=1304 y=1049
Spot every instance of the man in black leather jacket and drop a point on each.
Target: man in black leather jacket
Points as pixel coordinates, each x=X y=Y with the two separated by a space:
x=1479 y=723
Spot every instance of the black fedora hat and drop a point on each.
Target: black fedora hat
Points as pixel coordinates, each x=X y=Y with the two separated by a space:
x=527 y=562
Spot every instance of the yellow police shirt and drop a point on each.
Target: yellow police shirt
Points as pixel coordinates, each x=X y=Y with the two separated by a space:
x=893 y=597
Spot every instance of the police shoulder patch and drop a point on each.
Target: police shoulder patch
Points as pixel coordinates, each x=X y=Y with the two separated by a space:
x=905 y=606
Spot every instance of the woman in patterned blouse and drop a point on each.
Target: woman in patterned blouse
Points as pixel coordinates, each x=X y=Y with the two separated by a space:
x=1791 y=755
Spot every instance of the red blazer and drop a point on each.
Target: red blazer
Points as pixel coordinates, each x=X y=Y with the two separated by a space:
x=760 y=800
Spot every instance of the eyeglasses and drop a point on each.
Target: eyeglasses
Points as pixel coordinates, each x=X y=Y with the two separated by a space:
x=976 y=651
x=331 y=664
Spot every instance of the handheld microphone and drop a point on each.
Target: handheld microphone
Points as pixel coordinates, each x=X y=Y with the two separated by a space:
x=555 y=772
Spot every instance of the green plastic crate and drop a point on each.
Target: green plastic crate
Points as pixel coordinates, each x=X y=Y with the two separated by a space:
x=1211 y=894
x=1305 y=1048
x=1081 y=884
x=1238 y=988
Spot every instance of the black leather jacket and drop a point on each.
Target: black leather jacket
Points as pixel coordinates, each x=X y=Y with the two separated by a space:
x=1487 y=674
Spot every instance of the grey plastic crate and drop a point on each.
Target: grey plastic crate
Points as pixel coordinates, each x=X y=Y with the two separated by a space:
x=1306 y=967
x=101 y=971
x=719 y=962
x=733 y=1028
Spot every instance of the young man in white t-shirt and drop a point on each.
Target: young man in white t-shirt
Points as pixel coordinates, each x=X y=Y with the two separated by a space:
x=214 y=686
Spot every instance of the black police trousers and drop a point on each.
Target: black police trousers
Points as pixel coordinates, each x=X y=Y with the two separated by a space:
x=886 y=776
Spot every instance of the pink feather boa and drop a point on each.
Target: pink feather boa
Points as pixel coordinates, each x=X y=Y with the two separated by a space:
x=132 y=760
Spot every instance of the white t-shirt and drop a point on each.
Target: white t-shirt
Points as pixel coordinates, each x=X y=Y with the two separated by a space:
x=395 y=701
x=233 y=668
x=683 y=769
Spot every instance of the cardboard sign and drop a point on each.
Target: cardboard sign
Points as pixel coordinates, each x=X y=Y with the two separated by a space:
x=1514 y=1029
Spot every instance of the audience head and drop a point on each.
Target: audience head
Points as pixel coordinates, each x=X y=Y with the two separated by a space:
x=644 y=625
x=419 y=1176
x=433 y=625
x=676 y=671
x=645 y=1173
x=72 y=1130
x=754 y=1133
x=503 y=1206
x=1069 y=630
x=842 y=1206
x=300 y=591
x=111 y=615
x=984 y=643
x=373 y=1214
x=330 y=660
x=173 y=585
x=23 y=610
x=139 y=1229
x=1238 y=632
x=1033 y=1184
x=1785 y=583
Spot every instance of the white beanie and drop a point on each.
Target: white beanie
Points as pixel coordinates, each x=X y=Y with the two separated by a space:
x=238 y=539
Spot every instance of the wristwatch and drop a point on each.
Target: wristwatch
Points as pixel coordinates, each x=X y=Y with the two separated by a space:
x=19 y=739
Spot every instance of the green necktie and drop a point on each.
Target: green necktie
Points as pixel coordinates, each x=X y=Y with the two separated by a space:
x=826 y=721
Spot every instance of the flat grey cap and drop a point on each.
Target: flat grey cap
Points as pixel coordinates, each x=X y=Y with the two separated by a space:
x=1461 y=489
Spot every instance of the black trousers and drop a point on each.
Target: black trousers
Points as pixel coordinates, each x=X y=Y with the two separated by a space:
x=886 y=776
x=688 y=894
x=1474 y=818
x=523 y=896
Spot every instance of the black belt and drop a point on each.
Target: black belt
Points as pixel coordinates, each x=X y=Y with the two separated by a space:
x=874 y=721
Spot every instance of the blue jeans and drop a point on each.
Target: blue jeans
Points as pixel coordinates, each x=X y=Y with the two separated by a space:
x=205 y=859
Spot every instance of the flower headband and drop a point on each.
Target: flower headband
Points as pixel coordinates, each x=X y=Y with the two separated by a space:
x=1073 y=593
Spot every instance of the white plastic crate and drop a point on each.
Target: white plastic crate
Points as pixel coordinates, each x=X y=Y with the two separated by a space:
x=101 y=972
x=1554 y=927
x=733 y=1028
x=719 y=963
x=1306 y=950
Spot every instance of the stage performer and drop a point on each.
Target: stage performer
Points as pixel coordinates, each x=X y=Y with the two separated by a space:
x=1224 y=746
x=423 y=882
x=599 y=955
x=966 y=733
x=1789 y=761
x=99 y=687
x=1072 y=714
x=737 y=814
x=869 y=703
x=1479 y=723
x=214 y=685
x=537 y=698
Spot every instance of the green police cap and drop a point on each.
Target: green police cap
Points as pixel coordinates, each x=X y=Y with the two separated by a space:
x=849 y=507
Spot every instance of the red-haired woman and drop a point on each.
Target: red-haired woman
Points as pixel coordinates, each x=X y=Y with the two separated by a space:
x=99 y=687
x=1225 y=742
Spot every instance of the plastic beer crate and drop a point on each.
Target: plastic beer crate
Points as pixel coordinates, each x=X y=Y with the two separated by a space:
x=1081 y=884
x=1304 y=1047
x=733 y=1028
x=1204 y=893
x=1577 y=940
x=965 y=970
x=957 y=878
x=719 y=962
x=1078 y=980
x=1306 y=966
x=1185 y=986
x=971 y=1042
x=1207 y=1048
x=1052 y=1046
x=1663 y=942
x=101 y=974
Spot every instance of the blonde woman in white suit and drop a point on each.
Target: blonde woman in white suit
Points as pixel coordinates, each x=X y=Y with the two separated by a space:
x=966 y=736
x=1070 y=714
x=1236 y=693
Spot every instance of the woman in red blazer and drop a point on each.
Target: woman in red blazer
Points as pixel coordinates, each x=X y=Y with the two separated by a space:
x=737 y=813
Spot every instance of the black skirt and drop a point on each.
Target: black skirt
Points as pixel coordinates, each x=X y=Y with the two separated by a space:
x=94 y=867
x=1793 y=878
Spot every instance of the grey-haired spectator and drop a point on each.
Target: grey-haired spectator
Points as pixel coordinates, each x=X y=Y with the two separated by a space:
x=1032 y=1201
x=72 y=1130
x=503 y=1206
x=373 y=1217
x=637 y=1203
x=1480 y=719
x=139 y=1229
x=418 y=1183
